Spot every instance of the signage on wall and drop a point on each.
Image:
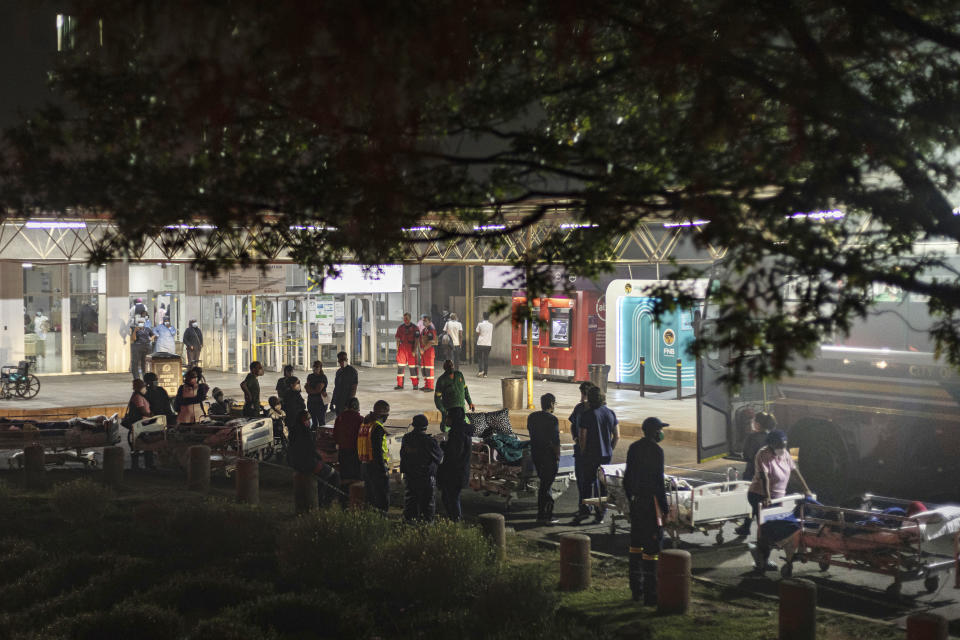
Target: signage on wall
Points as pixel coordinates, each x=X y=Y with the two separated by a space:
x=241 y=282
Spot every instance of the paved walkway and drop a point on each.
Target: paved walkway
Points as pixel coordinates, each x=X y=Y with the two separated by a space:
x=113 y=390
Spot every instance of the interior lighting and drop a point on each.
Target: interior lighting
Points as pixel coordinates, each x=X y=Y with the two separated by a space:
x=53 y=224
x=491 y=227
x=689 y=223
x=191 y=226
x=578 y=226
x=881 y=365
x=27 y=265
x=427 y=228
x=833 y=214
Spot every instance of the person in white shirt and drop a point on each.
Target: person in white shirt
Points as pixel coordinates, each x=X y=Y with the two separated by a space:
x=455 y=330
x=484 y=344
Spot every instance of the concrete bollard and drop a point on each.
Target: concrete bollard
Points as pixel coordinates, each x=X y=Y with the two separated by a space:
x=198 y=468
x=673 y=581
x=798 y=610
x=358 y=495
x=34 y=471
x=113 y=467
x=305 y=495
x=493 y=526
x=926 y=626
x=574 y=562
x=248 y=481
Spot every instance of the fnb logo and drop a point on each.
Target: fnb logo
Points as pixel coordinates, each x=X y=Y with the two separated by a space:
x=669 y=337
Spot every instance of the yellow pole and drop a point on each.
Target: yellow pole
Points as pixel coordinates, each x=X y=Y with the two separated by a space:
x=529 y=355
x=253 y=328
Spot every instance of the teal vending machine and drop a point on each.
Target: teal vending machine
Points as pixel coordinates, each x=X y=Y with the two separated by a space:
x=660 y=343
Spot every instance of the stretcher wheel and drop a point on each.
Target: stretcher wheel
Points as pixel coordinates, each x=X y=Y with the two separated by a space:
x=786 y=570
x=894 y=589
x=719 y=537
x=613 y=526
x=931 y=583
x=824 y=565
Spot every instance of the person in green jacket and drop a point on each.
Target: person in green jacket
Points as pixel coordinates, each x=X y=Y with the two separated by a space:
x=451 y=396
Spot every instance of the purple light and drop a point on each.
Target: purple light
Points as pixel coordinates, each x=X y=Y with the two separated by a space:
x=833 y=214
x=44 y=224
x=689 y=223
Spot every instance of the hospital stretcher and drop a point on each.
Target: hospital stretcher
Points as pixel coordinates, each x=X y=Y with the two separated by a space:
x=228 y=439
x=491 y=474
x=63 y=440
x=867 y=539
x=694 y=505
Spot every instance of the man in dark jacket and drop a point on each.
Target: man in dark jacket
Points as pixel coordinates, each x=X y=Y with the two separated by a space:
x=344 y=384
x=302 y=449
x=454 y=472
x=375 y=456
x=193 y=341
x=582 y=510
x=643 y=485
x=544 y=429
x=420 y=455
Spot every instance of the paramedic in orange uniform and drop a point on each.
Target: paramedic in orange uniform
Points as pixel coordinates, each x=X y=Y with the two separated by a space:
x=428 y=338
x=408 y=339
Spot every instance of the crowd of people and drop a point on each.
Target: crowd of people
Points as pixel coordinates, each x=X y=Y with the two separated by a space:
x=429 y=464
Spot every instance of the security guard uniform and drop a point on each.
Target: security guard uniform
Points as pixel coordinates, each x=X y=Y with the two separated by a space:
x=643 y=483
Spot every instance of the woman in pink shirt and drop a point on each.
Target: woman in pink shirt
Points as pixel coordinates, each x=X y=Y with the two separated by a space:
x=773 y=469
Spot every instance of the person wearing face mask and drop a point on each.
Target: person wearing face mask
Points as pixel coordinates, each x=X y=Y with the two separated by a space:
x=138 y=408
x=166 y=341
x=643 y=485
x=193 y=341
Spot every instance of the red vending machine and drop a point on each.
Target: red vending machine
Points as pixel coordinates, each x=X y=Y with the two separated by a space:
x=572 y=338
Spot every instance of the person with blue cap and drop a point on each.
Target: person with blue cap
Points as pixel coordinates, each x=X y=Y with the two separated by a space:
x=644 y=487
x=420 y=455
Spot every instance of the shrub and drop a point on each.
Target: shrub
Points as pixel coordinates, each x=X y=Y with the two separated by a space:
x=126 y=620
x=442 y=563
x=49 y=580
x=219 y=528
x=121 y=577
x=207 y=592
x=18 y=556
x=311 y=614
x=331 y=547
x=81 y=501
x=223 y=628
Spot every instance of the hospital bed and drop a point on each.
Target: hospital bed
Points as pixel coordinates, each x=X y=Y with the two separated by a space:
x=491 y=474
x=694 y=505
x=228 y=439
x=870 y=538
x=63 y=440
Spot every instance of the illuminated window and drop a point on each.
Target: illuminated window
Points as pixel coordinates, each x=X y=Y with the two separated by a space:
x=66 y=32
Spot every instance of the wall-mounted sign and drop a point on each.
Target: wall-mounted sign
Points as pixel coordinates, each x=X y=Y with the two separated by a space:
x=242 y=282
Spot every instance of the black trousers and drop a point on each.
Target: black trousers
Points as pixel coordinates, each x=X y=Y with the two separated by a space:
x=317 y=409
x=349 y=464
x=546 y=473
x=328 y=486
x=450 y=496
x=755 y=500
x=377 y=485
x=483 y=359
x=419 y=501
x=646 y=541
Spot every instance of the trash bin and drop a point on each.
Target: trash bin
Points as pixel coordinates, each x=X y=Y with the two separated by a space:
x=598 y=375
x=168 y=368
x=512 y=389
